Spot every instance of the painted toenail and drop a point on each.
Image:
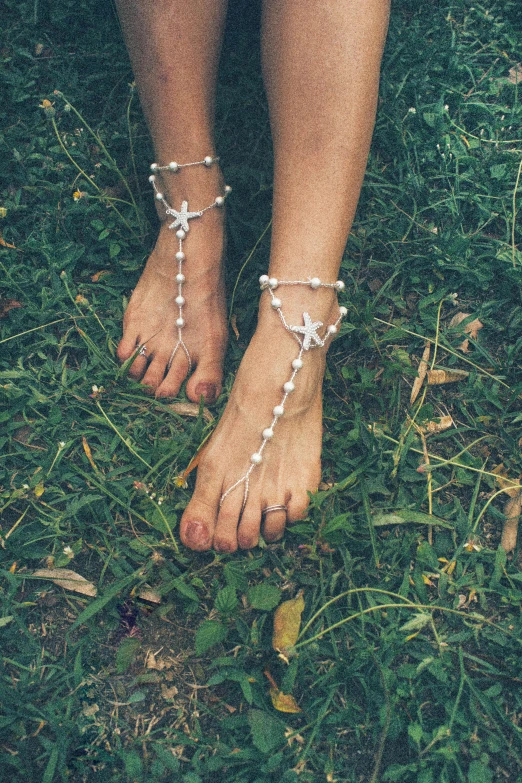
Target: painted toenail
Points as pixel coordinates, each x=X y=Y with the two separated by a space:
x=207 y=390
x=224 y=547
x=197 y=534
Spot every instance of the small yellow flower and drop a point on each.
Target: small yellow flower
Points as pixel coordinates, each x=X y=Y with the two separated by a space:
x=77 y=195
x=47 y=106
x=180 y=481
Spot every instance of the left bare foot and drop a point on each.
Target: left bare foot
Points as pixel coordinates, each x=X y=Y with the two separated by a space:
x=291 y=465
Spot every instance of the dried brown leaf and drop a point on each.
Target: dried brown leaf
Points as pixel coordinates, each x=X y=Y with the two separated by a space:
x=69 y=580
x=444 y=423
x=421 y=373
x=287 y=623
x=190 y=409
x=233 y=324
x=88 y=452
x=505 y=482
x=147 y=594
x=438 y=377
x=6 y=305
x=512 y=512
x=472 y=328
x=515 y=74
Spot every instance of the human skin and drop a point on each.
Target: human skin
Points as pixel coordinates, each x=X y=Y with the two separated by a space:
x=321 y=63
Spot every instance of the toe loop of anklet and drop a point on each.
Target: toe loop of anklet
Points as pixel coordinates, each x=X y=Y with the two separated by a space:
x=180 y=225
x=308 y=337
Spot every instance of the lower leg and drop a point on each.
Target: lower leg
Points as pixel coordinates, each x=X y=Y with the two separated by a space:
x=321 y=64
x=174 y=50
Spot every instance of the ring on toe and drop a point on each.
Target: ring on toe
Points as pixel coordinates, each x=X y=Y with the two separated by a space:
x=276 y=507
x=180 y=224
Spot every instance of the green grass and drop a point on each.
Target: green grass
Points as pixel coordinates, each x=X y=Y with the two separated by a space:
x=408 y=664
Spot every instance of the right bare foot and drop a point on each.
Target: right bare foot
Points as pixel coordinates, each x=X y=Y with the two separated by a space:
x=150 y=318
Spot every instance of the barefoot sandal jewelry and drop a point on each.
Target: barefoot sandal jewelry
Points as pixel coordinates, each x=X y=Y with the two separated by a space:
x=181 y=226
x=307 y=337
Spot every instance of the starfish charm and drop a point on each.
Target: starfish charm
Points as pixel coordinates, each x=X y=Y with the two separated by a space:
x=183 y=216
x=309 y=332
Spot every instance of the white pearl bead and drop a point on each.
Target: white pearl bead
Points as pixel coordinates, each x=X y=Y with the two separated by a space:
x=340 y=285
x=332 y=329
x=180 y=278
x=263 y=281
x=180 y=233
x=297 y=364
x=152 y=178
x=180 y=322
x=268 y=433
x=153 y=166
x=219 y=201
x=180 y=255
x=228 y=189
x=343 y=310
x=208 y=161
x=159 y=196
x=278 y=410
x=315 y=282
x=289 y=386
x=173 y=166
x=180 y=300
x=273 y=282
x=256 y=458
x=276 y=303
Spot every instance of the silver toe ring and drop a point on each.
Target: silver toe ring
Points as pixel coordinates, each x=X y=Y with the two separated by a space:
x=276 y=507
x=142 y=351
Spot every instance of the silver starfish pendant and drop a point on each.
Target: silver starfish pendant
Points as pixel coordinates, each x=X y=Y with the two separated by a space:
x=309 y=332
x=183 y=216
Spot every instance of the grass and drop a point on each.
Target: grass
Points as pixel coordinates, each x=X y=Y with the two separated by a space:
x=408 y=663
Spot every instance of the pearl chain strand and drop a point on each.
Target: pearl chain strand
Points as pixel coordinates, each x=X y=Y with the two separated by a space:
x=309 y=339
x=180 y=224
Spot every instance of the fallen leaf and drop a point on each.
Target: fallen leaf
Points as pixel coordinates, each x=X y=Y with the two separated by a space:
x=472 y=328
x=90 y=709
x=438 y=377
x=88 y=453
x=233 y=324
x=190 y=409
x=512 y=512
x=511 y=486
x=6 y=244
x=433 y=427
x=515 y=74
x=147 y=594
x=67 y=579
x=181 y=481
x=39 y=490
x=287 y=623
x=98 y=275
x=284 y=702
x=169 y=693
x=421 y=373
x=6 y=305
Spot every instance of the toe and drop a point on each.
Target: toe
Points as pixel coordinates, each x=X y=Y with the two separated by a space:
x=225 y=535
x=155 y=373
x=298 y=506
x=138 y=367
x=274 y=525
x=171 y=384
x=127 y=344
x=249 y=526
x=205 y=382
x=199 y=519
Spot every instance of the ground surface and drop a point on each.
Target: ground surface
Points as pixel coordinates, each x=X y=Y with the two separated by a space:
x=174 y=685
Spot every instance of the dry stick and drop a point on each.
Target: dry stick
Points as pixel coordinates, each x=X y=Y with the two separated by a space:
x=513 y=246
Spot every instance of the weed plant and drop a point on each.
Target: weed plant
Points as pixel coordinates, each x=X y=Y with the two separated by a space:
x=408 y=666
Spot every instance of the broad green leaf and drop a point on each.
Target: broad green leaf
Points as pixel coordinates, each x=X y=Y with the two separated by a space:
x=126 y=654
x=6 y=620
x=264 y=597
x=268 y=732
x=209 y=633
x=226 y=600
x=478 y=773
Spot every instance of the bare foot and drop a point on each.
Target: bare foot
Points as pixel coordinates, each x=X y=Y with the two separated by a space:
x=291 y=463
x=150 y=318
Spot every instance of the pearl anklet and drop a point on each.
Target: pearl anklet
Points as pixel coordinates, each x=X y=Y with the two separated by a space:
x=181 y=226
x=307 y=337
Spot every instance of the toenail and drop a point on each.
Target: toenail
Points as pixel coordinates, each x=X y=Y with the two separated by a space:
x=197 y=534
x=207 y=390
x=225 y=546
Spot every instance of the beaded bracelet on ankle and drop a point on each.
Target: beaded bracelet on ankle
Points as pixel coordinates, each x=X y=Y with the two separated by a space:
x=181 y=226
x=307 y=336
